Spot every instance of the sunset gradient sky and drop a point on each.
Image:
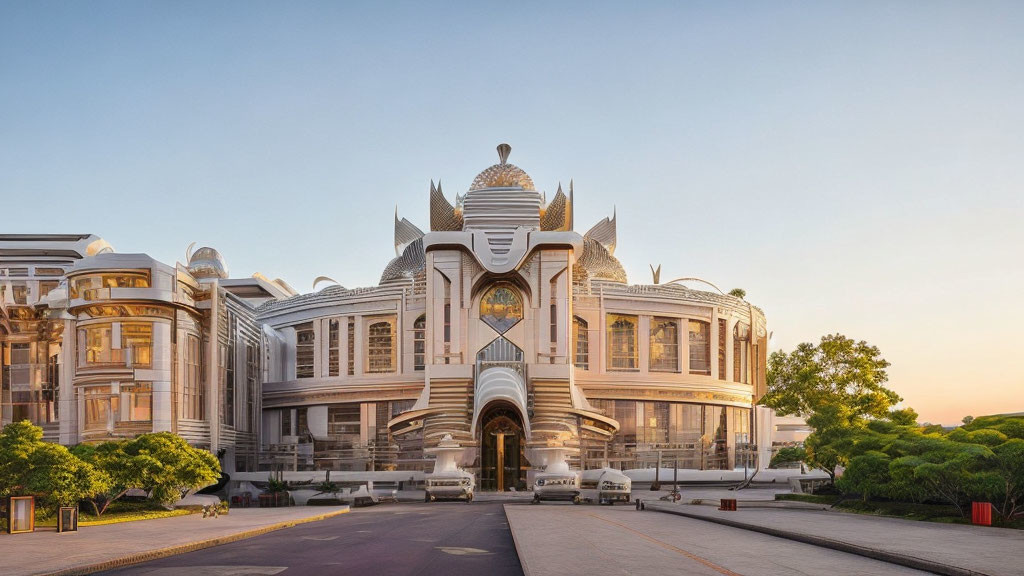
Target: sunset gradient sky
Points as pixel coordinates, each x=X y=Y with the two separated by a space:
x=856 y=167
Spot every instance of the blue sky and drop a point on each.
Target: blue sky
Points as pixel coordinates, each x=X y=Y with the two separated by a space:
x=856 y=167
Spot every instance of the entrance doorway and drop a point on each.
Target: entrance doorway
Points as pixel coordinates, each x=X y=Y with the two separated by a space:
x=503 y=463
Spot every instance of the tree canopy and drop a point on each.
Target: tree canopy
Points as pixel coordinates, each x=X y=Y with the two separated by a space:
x=838 y=371
x=48 y=471
x=161 y=463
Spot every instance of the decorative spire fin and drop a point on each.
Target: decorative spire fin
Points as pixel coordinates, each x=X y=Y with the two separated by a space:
x=503 y=151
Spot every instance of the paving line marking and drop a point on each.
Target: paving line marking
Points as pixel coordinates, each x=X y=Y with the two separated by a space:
x=720 y=569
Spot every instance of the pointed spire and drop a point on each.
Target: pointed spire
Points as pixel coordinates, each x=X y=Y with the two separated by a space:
x=503 y=151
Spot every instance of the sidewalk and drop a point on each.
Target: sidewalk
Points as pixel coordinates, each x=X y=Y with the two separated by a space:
x=953 y=549
x=114 y=545
x=559 y=539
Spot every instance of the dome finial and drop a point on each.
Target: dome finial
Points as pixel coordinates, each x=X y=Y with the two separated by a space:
x=503 y=152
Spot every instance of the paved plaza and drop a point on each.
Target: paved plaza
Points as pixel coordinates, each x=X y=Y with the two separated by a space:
x=565 y=539
x=511 y=537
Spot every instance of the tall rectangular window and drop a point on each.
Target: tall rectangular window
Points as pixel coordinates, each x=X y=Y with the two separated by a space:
x=228 y=372
x=381 y=346
x=351 y=332
x=581 y=343
x=721 y=347
x=252 y=387
x=97 y=407
x=192 y=391
x=419 y=343
x=286 y=422
x=96 y=344
x=447 y=331
x=664 y=345
x=622 y=352
x=740 y=338
x=334 y=347
x=305 y=342
x=700 y=347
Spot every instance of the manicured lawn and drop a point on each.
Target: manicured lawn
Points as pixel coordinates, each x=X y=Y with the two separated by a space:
x=909 y=510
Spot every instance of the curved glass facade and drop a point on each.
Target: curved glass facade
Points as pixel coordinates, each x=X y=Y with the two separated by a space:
x=697 y=436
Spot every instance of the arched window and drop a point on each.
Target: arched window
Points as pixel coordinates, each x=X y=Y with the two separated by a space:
x=380 y=347
x=581 y=343
x=622 y=342
x=700 y=347
x=664 y=345
x=419 y=343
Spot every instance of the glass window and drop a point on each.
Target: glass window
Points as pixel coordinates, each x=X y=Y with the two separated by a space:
x=252 y=387
x=95 y=341
x=501 y=307
x=334 y=347
x=700 y=347
x=351 y=347
x=721 y=348
x=716 y=439
x=622 y=354
x=419 y=343
x=192 y=391
x=98 y=401
x=136 y=402
x=20 y=292
x=305 y=342
x=664 y=345
x=740 y=337
x=286 y=422
x=581 y=343
x=137 y=343
x=380 y=347
x=88 y=287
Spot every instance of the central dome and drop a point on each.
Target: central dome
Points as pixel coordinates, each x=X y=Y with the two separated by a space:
x=503 y=174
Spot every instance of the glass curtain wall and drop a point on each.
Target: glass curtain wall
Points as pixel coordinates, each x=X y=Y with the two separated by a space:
x=698 y=436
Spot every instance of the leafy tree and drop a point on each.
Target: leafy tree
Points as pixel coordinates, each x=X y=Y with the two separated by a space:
x=867 y=474
x=161 y=463
x=788 y=455
x=738 y=292
x=1010 y=471
x=837 y=371
x=48 y=471
x=967 y=419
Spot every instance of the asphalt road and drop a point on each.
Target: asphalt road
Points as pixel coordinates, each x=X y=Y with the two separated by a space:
x=405 y=539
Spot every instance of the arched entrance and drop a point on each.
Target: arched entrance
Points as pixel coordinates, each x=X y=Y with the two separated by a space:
x=503 y=463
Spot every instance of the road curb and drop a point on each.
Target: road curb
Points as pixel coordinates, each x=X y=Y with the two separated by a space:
x=190 y=547
x=873 y=553
x=522 y=561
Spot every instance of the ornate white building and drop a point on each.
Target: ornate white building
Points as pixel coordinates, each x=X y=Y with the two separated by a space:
x=501 y=326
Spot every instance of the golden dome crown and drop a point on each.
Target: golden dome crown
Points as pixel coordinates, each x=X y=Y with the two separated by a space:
x=503 y=174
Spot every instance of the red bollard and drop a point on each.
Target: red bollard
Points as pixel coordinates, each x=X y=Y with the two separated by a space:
x=981 y=513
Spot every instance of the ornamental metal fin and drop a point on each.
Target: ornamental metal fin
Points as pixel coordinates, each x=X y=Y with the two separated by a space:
x=405 y=233
x=604 y=233
x=442 y=214
x=556 y=216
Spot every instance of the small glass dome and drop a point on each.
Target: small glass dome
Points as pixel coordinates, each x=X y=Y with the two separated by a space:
x=207 y=263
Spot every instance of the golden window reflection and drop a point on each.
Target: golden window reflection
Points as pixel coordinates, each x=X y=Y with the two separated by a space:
x=622 y=351
x=501 y=307
x=381 y=347
x=89 y=286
